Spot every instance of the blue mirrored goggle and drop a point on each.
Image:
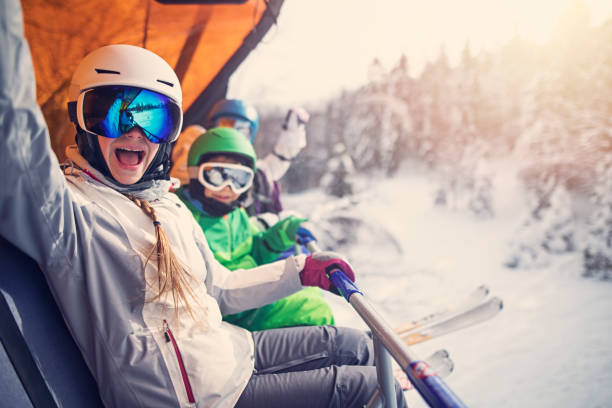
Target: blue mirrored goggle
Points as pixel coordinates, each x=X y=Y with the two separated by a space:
x=111 y=111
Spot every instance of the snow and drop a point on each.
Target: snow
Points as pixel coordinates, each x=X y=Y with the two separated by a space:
x=552 y=343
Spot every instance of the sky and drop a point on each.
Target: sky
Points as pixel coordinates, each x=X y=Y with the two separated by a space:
x=320 y=47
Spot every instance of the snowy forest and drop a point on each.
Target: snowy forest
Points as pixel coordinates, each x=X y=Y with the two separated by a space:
x=544 y=111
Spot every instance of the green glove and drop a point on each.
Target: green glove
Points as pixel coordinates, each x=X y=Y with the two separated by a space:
x=281 y=236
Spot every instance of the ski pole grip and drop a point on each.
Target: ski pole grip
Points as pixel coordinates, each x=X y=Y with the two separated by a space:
x=338 y=278
x=345 y=286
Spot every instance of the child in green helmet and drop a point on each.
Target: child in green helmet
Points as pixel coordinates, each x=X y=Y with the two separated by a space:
x=221 y=166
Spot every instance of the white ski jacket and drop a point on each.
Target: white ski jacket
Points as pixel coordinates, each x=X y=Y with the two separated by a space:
x=90 y=241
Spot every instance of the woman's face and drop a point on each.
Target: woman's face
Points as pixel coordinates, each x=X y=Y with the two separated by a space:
x=225 y=195
x=128 y=156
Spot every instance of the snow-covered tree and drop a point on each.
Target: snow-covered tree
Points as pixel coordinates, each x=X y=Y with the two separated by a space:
x=597 y=253
x=546 y=108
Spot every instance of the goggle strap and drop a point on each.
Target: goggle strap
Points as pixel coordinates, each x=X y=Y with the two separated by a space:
x=72 y=112
x=193 y=171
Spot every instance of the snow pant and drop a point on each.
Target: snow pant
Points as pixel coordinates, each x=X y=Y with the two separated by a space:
x=312 y=367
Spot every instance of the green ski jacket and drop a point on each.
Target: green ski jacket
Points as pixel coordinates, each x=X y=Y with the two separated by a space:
x=237 y=244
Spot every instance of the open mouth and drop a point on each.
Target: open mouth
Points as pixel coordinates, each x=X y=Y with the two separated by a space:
x=129 y=157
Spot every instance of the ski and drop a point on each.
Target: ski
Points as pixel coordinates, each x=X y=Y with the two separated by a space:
x=472 y=300
x=439 y=362
x=470 y=317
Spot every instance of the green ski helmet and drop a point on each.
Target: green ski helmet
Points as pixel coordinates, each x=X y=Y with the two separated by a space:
x=221 y=140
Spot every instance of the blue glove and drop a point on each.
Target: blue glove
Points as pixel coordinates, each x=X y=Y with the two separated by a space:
x=304 y=236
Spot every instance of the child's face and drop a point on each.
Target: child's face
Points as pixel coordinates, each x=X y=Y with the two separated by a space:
x=128 y=156
x=225 y=195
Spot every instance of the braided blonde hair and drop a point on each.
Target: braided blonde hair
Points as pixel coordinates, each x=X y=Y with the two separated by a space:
x=171 y=275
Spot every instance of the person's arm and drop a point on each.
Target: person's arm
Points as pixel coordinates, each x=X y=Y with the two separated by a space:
x=244 y=289
x=35 y=206
x=291 y=140
x=268 y=245
x=273 y=166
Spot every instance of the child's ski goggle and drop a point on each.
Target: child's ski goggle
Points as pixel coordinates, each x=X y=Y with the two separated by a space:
x=111 y=111
x=215 y=176
x=241 y=125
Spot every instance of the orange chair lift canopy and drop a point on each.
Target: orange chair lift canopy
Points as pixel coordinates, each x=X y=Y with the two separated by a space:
x=204 y=43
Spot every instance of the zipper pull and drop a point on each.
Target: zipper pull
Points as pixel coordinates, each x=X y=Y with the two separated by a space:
x=166 y=330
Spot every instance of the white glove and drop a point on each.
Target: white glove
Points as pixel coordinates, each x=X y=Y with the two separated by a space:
x=292 y=138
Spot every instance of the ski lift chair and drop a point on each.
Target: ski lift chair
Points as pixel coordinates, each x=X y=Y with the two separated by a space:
x=40 y=364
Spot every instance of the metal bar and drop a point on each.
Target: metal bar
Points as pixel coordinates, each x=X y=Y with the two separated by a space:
x=384 y=371
x=431 y=387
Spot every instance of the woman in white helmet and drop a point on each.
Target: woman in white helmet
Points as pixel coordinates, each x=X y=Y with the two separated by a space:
x=129 y=267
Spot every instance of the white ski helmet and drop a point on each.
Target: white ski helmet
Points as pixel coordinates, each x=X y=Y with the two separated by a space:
x=127 y=65
x=123 y=64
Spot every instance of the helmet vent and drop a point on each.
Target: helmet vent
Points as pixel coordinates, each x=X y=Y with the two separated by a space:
x=107 y=71
x=166 y=83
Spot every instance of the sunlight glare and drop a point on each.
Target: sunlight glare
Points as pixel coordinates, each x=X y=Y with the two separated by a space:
x=322 y=46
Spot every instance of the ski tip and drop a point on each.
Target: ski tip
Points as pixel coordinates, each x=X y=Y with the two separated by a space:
x=498 y=301
x=451 y=365
x=442 y=353
x=484 y=289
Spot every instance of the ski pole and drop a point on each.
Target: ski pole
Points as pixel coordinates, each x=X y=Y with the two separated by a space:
x=430 y=386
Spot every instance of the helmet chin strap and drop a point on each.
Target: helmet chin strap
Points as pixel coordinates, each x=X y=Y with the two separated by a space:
x=90 y=149
x=158 y=169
